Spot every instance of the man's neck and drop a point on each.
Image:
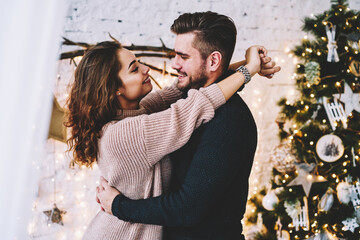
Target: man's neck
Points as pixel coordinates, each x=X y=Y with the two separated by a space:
x=215 y=76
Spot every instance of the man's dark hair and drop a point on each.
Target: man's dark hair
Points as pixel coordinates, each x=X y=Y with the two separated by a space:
x=213 y=32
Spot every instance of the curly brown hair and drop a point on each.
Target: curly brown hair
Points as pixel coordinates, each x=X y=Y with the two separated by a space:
x=92 y=102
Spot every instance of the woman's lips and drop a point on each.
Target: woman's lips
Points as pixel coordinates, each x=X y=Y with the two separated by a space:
x=147 y=80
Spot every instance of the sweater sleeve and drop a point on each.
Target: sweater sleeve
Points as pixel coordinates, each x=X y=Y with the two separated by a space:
x=223 y=151
x=161 y=99
x=146 y=139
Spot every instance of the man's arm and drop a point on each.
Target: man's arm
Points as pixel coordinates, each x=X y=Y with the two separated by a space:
x=223 y=150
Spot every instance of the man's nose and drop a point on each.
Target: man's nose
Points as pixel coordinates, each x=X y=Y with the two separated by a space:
x=175 y=63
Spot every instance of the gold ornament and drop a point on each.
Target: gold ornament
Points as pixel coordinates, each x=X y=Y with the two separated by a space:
x=57 y=129
x=355 y=68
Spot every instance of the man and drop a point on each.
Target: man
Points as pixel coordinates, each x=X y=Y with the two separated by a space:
x=209 y=185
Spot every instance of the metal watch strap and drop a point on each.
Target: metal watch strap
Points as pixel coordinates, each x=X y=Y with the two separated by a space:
x=246 y=73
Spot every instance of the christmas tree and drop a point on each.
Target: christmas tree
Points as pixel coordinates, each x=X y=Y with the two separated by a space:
x=315 y=188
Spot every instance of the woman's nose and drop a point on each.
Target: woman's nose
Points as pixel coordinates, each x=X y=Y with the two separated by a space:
x=146 y=69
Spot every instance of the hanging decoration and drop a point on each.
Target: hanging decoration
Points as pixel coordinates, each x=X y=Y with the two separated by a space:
x=330 y=148
x=280 y=120
x=270 y=200
x=355 y=195
x=281 y=234
x=284 y=235
x=355 y=68
x=312 y=71
x=323 y=235
x=353 y=40
x=253 y=230
x=55 y=215
x=350 y=224
x=292 y=208
x=301 y=219
x=326 y=200
x=305 y=178
x=332 y=47
x=57 y=129
x=282 y=158
x=353 y=156
x=350 y=99
x=335 y=112
x=343 y=192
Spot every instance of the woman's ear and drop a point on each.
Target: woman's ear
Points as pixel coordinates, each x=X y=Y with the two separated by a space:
x=119 y=92
x=214 y=61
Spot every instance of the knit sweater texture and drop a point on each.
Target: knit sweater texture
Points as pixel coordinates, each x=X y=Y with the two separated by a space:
x=133 y=152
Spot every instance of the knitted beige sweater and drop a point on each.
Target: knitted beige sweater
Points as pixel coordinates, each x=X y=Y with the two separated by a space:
x=132 y=152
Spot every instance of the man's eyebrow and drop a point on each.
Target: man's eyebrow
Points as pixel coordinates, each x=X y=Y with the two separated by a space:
x=182 y=54
x=134 y=61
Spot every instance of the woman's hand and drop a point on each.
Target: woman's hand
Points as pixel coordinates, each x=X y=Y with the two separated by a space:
x=105 y=195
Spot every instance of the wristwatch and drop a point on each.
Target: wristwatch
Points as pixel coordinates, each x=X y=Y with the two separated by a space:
x=246 y=73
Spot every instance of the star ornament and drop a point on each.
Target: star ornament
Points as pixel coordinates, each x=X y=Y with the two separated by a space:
x=351 y=100
x=350 y=224
x=305 y=178
x=55 y=215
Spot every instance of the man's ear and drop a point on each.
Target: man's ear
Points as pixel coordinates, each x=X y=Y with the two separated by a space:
x=214 y=61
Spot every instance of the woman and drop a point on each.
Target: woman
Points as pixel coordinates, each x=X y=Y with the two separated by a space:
x=111 y=87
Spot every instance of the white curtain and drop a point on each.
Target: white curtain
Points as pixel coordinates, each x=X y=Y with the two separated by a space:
x=29 y=43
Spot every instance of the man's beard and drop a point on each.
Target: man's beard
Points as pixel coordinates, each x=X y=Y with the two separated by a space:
x=197 y=81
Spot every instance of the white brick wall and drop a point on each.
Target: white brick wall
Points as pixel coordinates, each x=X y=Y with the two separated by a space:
x=273 y=23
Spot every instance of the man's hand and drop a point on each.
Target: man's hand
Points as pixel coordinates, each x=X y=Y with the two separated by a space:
x=268 y=67
x=105 y=195
x=253 y=58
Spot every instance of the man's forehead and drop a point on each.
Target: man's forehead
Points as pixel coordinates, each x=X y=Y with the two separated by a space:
x=184 y=43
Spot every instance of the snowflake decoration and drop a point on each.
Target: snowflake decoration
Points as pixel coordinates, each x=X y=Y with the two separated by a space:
x=350 y=224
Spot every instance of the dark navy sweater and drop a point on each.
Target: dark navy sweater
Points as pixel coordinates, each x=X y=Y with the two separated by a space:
x=209 y=185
